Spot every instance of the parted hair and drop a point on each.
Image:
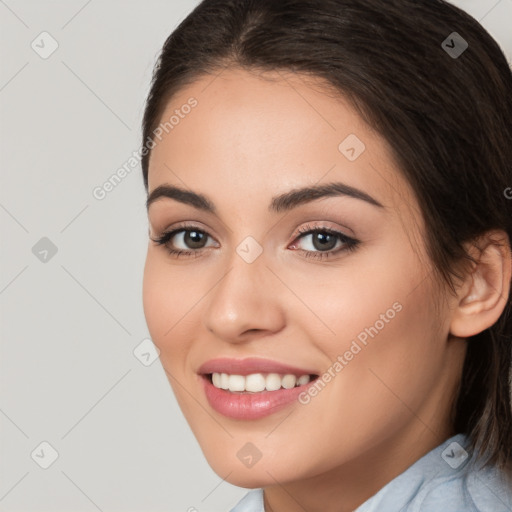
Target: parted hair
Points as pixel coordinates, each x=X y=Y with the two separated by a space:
x=446 y=117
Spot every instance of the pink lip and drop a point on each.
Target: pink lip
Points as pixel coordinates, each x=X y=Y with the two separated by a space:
x=246 y=405
x=250 y=406
x=250 y=365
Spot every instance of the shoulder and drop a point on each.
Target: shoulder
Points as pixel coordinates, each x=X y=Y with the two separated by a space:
x=446 y=479
x=251 y=502
x=471 y=490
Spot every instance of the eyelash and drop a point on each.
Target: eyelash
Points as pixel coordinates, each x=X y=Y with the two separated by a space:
x=350 y=243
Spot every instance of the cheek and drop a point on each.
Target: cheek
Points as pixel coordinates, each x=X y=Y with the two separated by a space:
x=154 y=297
x=353 y=295
x=381 y=319
x=167 y=300
x=391 y=361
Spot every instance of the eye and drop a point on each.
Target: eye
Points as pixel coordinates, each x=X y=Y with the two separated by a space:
x=190 y=239
x=320 y=242
x=184 y=240
x=317 y=241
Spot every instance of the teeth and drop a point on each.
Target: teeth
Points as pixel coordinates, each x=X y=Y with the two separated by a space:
x=236 y=383
x=224 y=381
x=273 y=382
x=254 y=382
x=216 y=378
x=289 y=381
x=304 y=379
x=257 y=382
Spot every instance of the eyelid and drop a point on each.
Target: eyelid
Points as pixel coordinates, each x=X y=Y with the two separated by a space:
x=171 y=232
x=299 y=232
x=308 y=227
x=349 y=243
x=184 y=226
x=308 y=230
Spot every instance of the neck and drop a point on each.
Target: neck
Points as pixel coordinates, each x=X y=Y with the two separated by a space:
x=349 y=486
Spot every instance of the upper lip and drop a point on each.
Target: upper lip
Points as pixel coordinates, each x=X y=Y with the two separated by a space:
x=250 y=365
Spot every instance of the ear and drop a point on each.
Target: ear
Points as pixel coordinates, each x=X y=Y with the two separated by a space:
x=483 y=295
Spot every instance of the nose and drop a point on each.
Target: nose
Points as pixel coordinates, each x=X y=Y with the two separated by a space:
x=245 y=303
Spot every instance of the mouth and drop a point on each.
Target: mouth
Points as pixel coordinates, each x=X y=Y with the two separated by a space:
x=251 y=389
x=258 y=382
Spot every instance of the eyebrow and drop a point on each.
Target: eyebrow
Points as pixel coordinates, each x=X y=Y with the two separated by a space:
x=280 y=203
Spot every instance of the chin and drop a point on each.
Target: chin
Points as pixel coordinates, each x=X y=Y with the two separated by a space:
x=248 y=478
x=262 y=473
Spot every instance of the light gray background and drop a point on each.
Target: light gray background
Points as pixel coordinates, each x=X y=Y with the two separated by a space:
x=69 y=326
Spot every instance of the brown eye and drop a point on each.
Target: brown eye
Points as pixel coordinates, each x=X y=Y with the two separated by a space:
x=322 y=243
x=194 y=239
x=184 y=240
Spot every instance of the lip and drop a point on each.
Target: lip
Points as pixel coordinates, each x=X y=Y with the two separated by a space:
x=251 y=365
x=246 y=405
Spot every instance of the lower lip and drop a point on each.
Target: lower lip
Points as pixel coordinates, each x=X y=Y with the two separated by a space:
x=250 y=406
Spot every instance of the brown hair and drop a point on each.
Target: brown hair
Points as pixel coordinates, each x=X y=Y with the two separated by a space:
x=447 y=118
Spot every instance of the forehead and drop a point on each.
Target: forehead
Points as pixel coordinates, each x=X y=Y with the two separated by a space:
x=265 y=134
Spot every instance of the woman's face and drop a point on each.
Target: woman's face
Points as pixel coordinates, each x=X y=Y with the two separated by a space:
x=276 y=278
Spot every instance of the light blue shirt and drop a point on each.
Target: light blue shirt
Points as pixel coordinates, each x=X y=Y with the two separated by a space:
x=441 y=481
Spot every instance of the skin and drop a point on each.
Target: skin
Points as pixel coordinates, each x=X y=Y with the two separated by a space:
x=249 y=139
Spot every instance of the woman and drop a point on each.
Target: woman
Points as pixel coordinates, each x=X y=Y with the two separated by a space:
x=329 y=265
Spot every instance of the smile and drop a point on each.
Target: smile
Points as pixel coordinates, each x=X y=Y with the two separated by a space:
x=247 y=394
x=257 y=382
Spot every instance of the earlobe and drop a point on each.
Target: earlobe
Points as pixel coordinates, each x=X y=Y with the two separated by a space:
x=484 y=294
